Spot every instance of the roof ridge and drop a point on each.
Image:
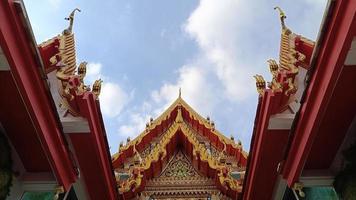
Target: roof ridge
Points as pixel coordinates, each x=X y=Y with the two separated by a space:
x=179 y=102
x=159 y=152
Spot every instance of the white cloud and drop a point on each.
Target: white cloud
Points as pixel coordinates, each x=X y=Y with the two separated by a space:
x=55 y=3
x=112 y=98
x=195 y=87
x=136 y=126
x=196 y=90
x=214 y=25
x=137 y=117
x=217 y=27
x=234 y=38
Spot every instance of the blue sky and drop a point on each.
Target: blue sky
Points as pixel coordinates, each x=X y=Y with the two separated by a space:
x=145 y=50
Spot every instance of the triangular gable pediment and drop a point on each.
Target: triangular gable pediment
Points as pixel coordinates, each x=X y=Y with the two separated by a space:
x=167 y=118
x=180 y=179
x=179 y=167
x=152 y=161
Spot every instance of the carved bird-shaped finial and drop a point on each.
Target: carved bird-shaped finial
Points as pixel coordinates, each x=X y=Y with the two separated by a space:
x=70 y=18
x=282 y=16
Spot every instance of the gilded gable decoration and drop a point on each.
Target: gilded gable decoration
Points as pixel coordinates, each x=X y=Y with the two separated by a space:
x=172 y=148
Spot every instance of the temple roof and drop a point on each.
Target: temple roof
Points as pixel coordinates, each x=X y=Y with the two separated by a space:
x=179 y=102
x=179 y=123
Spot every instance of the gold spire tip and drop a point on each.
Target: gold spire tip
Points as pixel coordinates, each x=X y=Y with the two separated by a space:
x=70 y=18
x=180 y=93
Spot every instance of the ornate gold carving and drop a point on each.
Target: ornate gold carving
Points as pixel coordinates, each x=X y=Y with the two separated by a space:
x=287 y=60
x=193 y=114
x=260 y=84
x=284 y=73
x=179 y=118
x=199 y=151
x=273 y=67
x=292 y=88
x=155 y=152
x=133 y=182
x=137 y=157
x=180 y=179
x=82 y=70
x=97 y=87
x=227 y=181
x=275 y=85
x=71 y=83
x=179 y=167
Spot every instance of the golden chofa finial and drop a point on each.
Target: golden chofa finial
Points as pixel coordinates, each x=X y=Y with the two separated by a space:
x=282 y=16
x=70 y=19
x=180 y=93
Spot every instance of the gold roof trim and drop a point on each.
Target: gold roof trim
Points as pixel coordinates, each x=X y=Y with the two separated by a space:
x=65 y=60
x=209 y=125
x=165 y=115
x=199 y=150
x=151 y=125
x=287 y=60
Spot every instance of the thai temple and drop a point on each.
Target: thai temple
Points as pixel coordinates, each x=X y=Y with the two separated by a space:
x=53 y=143
x=180 y=155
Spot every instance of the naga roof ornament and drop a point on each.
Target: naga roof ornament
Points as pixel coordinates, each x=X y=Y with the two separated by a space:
x=294 y=56
x=59 y=56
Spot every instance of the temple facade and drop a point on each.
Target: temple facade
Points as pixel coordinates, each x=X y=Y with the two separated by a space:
x=180 y=155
